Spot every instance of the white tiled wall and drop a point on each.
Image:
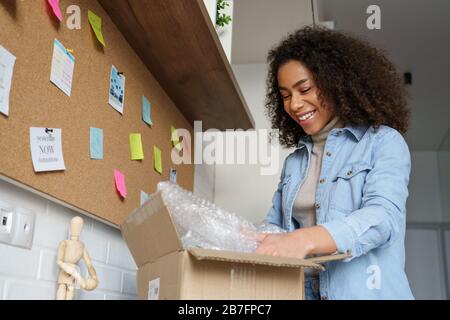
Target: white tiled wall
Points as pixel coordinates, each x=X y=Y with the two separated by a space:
x=32 y=274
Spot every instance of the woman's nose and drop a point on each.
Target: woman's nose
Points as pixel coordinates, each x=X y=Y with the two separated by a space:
x=296 y=104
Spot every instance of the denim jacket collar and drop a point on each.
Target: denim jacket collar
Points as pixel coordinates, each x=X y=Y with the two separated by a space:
x=357 y=131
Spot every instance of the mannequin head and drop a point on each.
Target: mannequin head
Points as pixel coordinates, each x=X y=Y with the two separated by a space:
x=76 y=224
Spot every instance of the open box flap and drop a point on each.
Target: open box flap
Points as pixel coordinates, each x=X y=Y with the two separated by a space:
x=252 y=258
x=329 y=258
x=150 y=232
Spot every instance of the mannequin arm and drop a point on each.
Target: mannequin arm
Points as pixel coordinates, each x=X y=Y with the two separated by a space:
x=61 y=252
x=73 y=272
x=91 y=283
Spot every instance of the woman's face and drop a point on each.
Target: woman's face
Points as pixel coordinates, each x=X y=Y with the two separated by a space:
x=300 y=97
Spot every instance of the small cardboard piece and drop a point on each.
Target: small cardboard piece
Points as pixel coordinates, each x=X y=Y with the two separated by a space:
x=167 y=271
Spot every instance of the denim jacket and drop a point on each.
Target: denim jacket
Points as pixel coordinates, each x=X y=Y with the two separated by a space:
x=360 y=200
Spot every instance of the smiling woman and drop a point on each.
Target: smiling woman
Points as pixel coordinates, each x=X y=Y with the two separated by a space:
x=301 y=97
x=344 y=188
x=349 y=76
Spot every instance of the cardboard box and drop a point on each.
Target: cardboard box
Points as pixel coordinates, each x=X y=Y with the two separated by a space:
x=167 y=271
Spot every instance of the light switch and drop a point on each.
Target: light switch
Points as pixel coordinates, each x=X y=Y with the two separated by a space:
x=6 y=222
x=6 y=213
x=16 y=225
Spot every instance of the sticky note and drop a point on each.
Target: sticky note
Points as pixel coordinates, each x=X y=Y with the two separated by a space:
x=46 y=149
x=63 y=64
x=175 y=138
x=136 y=146
x=146 y=111
x=96 y=142
x=144 y=197
x=96 y=24
x=56 y=9
x=157 y=156
x=7 y=61
x=120 y=183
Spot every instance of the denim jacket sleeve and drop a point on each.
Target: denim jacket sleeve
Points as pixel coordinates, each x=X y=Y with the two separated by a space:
x=274 y=216
x=379 y=220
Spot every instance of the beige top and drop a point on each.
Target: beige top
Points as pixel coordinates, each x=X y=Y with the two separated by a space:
x=304 y=210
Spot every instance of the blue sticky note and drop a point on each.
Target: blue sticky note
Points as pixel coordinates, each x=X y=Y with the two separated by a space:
x=96 y=143
x=146 y=111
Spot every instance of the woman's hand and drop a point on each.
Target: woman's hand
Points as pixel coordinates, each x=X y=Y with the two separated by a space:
x=293 y=244
x=297 y=244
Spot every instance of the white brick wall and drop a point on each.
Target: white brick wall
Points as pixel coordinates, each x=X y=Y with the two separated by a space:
x=32 y=274
x=2 y=284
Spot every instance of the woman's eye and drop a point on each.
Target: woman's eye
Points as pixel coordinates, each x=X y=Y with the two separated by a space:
x=285 y=97
x=305 y=90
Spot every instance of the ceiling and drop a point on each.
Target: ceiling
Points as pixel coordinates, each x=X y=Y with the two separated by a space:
x=414 y=33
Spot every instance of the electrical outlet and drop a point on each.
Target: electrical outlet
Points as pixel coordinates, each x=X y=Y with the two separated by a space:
x=24 y=228
x=16 y=225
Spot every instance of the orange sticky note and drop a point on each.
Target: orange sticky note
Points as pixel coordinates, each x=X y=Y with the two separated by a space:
x=120 y=183
x=56 y=9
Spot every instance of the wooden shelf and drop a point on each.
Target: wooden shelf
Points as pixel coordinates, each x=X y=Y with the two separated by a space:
x=178 y=43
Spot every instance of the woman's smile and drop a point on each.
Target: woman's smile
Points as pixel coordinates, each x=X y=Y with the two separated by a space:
x=306 y=118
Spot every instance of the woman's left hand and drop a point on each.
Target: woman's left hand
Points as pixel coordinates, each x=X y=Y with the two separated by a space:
x=296 y=244
x=293 y=244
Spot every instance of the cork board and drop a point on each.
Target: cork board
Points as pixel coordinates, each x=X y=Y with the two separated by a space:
x=28 y=30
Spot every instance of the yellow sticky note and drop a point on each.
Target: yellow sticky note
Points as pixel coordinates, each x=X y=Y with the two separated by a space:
x=175 y=138
x=136 y=146
x=96 y=24
x=157 y=156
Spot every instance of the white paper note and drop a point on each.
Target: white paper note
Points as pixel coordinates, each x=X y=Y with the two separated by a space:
x=46 y=149
x=7 y=61
x=63 y=64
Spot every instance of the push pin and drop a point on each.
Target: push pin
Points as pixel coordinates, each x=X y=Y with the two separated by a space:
x=120 y=73
x=47 y=130
x=69 y=50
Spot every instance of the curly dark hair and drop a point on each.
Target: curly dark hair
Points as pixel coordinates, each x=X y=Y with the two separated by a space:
x=361 y=83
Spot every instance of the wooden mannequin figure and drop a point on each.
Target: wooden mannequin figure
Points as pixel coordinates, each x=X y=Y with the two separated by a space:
x=70 y=252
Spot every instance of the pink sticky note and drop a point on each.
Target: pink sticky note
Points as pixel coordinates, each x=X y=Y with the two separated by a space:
x=120 y=183
x=56 y=9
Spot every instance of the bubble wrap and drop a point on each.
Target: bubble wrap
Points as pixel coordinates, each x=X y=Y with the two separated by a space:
x=202 y=224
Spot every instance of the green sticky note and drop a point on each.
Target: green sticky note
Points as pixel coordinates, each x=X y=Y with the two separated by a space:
x=175 y=138
x=96 y=24
x=136 y=146
x=157 y=156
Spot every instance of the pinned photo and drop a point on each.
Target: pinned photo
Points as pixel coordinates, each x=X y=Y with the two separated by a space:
x=117 y=90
